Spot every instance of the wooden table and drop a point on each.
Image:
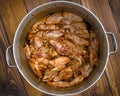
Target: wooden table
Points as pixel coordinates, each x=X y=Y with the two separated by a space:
x=12 y=12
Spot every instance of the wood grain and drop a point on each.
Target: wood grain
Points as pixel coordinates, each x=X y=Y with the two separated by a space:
x=12 y=12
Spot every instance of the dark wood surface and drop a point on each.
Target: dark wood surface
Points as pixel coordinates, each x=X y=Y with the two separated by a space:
x=12 y=12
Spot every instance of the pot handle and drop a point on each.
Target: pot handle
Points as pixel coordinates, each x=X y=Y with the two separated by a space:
x=115 y=45
x=8 y=57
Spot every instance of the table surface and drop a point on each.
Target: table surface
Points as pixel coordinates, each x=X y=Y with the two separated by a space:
x=12 y=12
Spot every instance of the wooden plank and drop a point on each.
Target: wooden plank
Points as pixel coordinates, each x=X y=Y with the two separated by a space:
x=10 y=80
x=11 y=83
x=115 y=7
x=102 y=9
x=30 y=4
x=12 y=12
x=4 y=79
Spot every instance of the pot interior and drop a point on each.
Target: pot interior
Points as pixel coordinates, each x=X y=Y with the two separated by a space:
x=35 y=15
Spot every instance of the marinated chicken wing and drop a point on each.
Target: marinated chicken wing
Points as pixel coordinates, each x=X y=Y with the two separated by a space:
x=82 y=33
x=81 y=25
x=27 y=51
x=61 y=49
x=55 y=34
x=64 y=47
x=53 y=52
x=51 y=74
x=76 y=80
x=43 y=60
x=32 y=49
x=74 y=66
x=86 y=70
x=58 y=46
x=59 y=61
x=42 y=52
x=64 y=74
x=70 y=71
x=77 y=40
x=42 y=21
x=39 y=34
x=65 y=21
x=35 y=67
x=54 y=18
x=38 y=42
x=48 y=27
x=72 y=17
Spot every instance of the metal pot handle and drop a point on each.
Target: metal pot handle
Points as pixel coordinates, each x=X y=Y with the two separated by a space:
x=115 y=45
x=8 y=57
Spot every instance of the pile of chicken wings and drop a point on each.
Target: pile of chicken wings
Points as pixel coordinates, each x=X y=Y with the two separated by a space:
x=61 y=50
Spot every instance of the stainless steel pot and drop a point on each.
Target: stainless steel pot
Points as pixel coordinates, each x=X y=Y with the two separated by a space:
x=42 y=11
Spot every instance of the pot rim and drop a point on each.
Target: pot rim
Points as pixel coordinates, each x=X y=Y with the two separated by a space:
x=45 y=4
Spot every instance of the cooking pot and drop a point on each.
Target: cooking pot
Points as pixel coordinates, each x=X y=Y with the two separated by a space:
x=35 y=15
